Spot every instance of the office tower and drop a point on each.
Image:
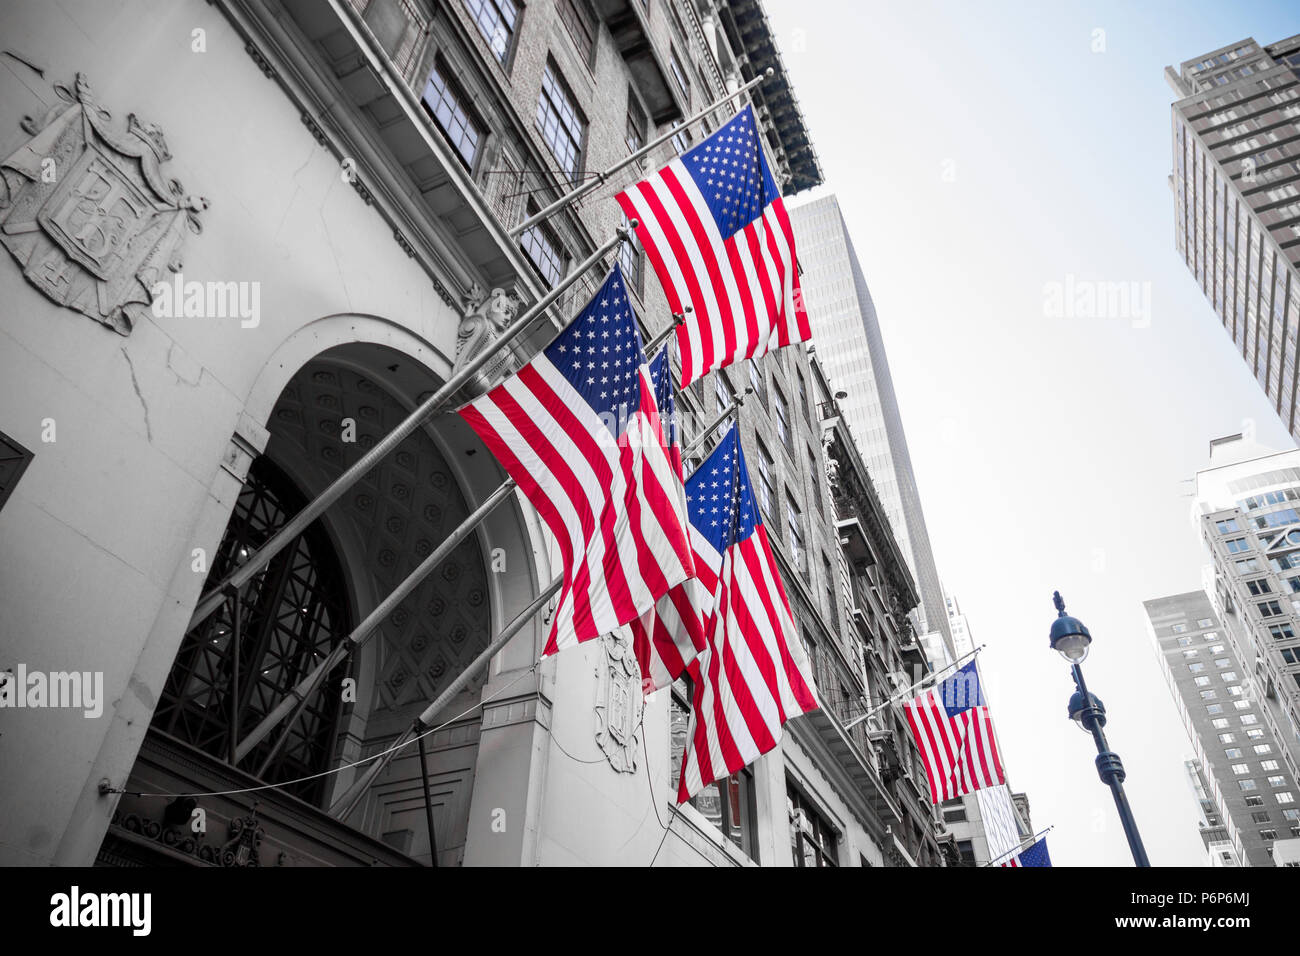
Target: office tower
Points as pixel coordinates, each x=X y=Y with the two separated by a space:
x=1245 y=790
x=852 y=352
x=1236 y=185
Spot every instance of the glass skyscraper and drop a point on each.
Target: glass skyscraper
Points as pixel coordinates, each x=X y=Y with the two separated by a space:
x=1236 y=185
x=852 y=352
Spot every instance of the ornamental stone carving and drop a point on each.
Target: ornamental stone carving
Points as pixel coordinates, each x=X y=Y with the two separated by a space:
x=618 y=703
x=485 y=319
x=88 y=213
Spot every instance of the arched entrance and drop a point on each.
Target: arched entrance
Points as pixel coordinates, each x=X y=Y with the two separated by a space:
x=330 y=412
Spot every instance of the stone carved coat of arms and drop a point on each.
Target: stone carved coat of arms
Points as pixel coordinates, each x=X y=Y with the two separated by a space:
x=88 y=213
x=618 y=702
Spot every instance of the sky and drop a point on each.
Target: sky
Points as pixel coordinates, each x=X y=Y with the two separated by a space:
x=986 y=155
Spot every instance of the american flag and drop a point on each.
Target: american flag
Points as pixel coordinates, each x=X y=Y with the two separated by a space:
x=1001 y=826
x=577 y=428
x=753 y=673
x=1035 y=855
x=668 y=636
x=714 y=226
x=952 y=728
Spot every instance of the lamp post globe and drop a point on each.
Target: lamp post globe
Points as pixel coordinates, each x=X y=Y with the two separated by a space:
x=1069 y=637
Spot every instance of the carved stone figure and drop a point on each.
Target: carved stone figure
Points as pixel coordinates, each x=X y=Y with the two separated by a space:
x=618 y=703
x=484 y=321
x=88 y=212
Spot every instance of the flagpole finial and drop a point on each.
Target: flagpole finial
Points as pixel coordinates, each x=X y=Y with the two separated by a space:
x=769 y=72
x=1059 y=602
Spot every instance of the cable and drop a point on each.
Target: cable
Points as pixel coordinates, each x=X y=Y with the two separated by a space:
x=340 y=769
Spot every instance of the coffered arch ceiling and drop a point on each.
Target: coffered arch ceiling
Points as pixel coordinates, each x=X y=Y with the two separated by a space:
x=386 y=524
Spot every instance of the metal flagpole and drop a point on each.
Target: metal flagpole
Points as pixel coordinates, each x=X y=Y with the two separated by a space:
x=662 y=337
x=899 y=695
x=603 y=177
x=314 y=508
x=307 y=686
x=1024 y=844
x=344 y=806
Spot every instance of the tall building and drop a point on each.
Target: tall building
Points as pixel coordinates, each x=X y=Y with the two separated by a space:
x=352 y=176
x=842 y=313
x=1236 y=186
x=1220 y=849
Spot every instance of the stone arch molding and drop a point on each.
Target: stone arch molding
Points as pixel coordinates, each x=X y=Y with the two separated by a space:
x=357 y=349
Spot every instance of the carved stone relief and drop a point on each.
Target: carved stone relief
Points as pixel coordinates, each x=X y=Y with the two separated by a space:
x=485 y=319
x=618 y=703
x=88 y=212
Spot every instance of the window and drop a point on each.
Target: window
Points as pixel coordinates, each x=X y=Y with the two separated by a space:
x=294 y=610
x=1180 y=628
x=954 y=811
x=1208 y=695
x=796 y=534
x=635 y=136
x=1255 y=734
x=1268 y=834
x=1269 y=608
x=782 y=417
x=545 y=251
x=1202 y=682
x=1214 y=708
x=679 y=74
x=1241 y=704
x=1236 y=545
x=1227 y=525
x=728 y=803
x=765 y=491
x=1240 y=769
x=582 y=27
x=1284 y=797
x=1263 y=748
x=448 y=105
x=1249 y=719
x=1229 y=676
x=813 y=470
x=1281 y=632
x=1254 y=801
x=1220 y=723
x=1232 y=753
x=1222 y=662
x=1277 y=781
x=1269 y=765
x=829 y=576
x=1184 y=641
x=681 y=140
x=812 y=838
x=1217 y=648
x=496 y=20
x=721 y=392
x=560 y=121
x=1259 y=587
x=1226 y=738
x=1205 y=622
x=1259 y=816
x=803 y=395
x=1191 y=653
x=630 y=258
x=1247 y=784
x=1196 y=667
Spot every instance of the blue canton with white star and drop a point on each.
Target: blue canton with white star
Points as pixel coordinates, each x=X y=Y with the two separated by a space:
x=961 y=691
x=1036 y=855
x=719 y=498
x=600 y=353
x=661 y=377
x=732 y=175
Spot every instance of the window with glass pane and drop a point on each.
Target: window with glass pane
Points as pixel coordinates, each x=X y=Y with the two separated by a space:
x=545 y=252
x=581 y=25
x=679 y=74
x=812 y=838
x=794 y=520
x=446 y=102
x=630 y=258
x=496 y=20
x=765 y=490
x=293 y=614
x=635 y=136
x=782 y=418
x=560 y=122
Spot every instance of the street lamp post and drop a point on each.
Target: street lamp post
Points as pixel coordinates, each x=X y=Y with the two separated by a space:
x=1071 y=640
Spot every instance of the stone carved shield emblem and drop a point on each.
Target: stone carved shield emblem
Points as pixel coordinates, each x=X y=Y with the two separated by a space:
x=618 y=703
x=88 y=213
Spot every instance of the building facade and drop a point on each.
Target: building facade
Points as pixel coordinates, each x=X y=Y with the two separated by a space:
x=1236 y=186
x=842 y=312
x=352 y=172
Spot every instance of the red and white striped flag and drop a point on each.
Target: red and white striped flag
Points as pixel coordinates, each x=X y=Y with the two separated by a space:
x=953 y=730
x=577 y=428
x=714 y=226
x=667 y=637
x=753 y=674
